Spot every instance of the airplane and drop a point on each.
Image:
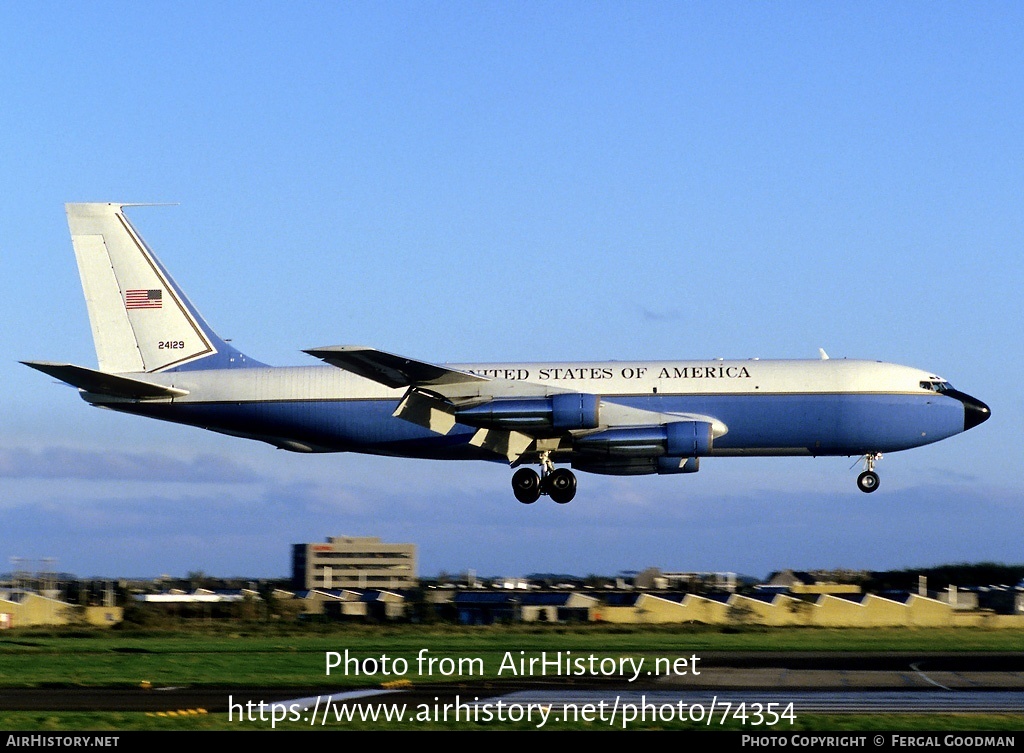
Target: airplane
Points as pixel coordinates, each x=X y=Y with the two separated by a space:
x=157 y=357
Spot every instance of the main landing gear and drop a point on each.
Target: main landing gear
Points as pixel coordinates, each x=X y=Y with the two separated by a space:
x=867 y=482
x=557 y=483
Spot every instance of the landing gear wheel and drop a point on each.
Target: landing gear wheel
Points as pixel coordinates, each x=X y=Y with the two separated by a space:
x=560 y=485
x=867 y=482
x=526 y=485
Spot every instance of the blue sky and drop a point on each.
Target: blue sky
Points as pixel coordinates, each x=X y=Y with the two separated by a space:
x=532 y=181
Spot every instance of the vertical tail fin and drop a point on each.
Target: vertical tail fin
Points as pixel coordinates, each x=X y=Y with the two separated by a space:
x=141 y=321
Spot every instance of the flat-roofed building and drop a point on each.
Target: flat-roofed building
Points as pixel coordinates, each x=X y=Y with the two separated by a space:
x=353 y=562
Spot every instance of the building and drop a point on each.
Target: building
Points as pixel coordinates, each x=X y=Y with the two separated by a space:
x=800 y=582
x=205 y=603
x=653 y=578
x=488 y=607
x=23 y=608
x=363 y=562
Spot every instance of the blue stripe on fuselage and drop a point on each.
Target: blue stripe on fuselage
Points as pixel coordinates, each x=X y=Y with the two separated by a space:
x=339 y=425
x=824 y=424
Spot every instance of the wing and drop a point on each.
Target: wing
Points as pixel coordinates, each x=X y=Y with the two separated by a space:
x=389 y=369
x=522 y=420
x=435 y=394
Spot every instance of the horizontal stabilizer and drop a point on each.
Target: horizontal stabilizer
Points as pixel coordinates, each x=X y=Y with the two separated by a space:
x=101 y=383
x=389 y=369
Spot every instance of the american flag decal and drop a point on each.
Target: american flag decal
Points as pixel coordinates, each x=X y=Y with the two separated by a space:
x=143 y=299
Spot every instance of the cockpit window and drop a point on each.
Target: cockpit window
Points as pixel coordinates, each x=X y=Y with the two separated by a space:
x=936 y=386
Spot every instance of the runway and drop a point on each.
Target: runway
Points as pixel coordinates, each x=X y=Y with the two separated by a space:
x=834 y=701
x=849 y=682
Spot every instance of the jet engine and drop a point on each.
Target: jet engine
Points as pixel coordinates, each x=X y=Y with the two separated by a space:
x=679 y=439
x=626 y=466
x=562 y=412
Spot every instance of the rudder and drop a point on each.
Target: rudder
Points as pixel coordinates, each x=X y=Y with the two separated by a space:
x=141 y=321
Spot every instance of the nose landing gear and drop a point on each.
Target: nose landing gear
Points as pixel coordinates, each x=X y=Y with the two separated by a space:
x=557 y=483
x=868 y=481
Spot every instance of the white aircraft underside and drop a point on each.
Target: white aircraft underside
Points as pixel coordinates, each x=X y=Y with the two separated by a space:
x=158 y=358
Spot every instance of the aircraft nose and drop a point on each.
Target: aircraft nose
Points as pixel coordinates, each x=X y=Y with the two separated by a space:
x=975 y=411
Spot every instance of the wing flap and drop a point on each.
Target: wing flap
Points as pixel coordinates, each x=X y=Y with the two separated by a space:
x=511 y=444
x=426 y=411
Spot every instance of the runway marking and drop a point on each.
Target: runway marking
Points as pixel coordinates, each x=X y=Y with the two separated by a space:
x=178 y=712
x=306 y=703
x=926 y=678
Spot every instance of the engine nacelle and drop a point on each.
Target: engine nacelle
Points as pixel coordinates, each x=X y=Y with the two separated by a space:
x=575 y=410
x=679 y=439
x=566 y=411
x=689 y=438
x=667 y=464
x=616 y=465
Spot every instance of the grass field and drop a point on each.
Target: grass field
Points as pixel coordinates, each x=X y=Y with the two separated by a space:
x=219 y=656
x=240 y=654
